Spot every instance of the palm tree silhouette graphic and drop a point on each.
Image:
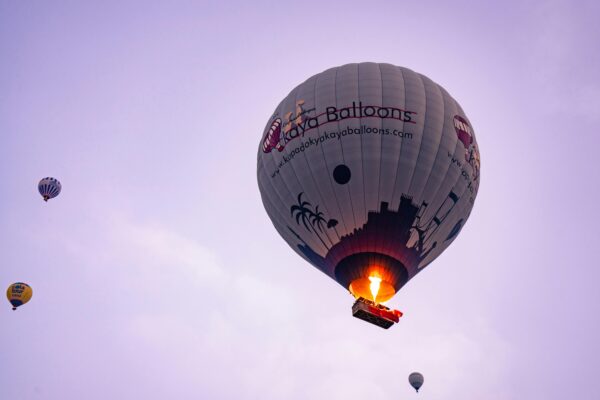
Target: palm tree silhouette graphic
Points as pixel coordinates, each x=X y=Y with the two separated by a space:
x=303 y=212
x=318 y=221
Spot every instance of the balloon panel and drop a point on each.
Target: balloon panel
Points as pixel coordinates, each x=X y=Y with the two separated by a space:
x=368 y=163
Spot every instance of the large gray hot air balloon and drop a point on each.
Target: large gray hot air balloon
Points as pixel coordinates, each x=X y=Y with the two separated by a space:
x=369 y=171
x=416 y=380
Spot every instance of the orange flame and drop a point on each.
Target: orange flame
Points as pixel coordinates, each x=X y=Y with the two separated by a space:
x=374 y=286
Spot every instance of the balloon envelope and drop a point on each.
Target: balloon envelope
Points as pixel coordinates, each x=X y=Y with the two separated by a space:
x=416 y=380
x=49 y=188
x=368 y=171
x=18 y=294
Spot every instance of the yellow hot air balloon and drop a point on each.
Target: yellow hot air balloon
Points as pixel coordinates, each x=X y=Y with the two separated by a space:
x=18 y=294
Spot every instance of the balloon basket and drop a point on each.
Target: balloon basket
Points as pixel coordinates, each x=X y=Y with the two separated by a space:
x=374 y=313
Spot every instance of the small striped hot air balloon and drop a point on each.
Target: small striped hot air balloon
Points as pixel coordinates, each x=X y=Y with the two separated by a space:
x=49 y=188
x=18 y=294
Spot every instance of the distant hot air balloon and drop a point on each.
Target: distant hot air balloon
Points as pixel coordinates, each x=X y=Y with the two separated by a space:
x=416 y=380
x=368 y=171
x=49 y=188
x=18 y=294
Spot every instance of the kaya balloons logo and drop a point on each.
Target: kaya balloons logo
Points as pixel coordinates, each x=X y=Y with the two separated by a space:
x=465 y=135
x=273 y=138
x=298 y=123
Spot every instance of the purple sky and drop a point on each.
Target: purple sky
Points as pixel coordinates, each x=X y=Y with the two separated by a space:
x=157 y=273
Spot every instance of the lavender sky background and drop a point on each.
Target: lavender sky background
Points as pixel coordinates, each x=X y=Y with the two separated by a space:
x=157 y=273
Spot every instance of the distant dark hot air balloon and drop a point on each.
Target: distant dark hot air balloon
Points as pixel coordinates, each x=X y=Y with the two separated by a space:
x=368 y=171
x=416 y=380
x=49 y=188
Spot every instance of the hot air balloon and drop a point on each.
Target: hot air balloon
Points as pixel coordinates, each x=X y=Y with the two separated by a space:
x=18 y=294
x=49 y=188
x=368 y=171
x=416 y=380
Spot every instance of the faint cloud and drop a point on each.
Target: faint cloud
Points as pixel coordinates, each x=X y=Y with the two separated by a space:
x=158 y=247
